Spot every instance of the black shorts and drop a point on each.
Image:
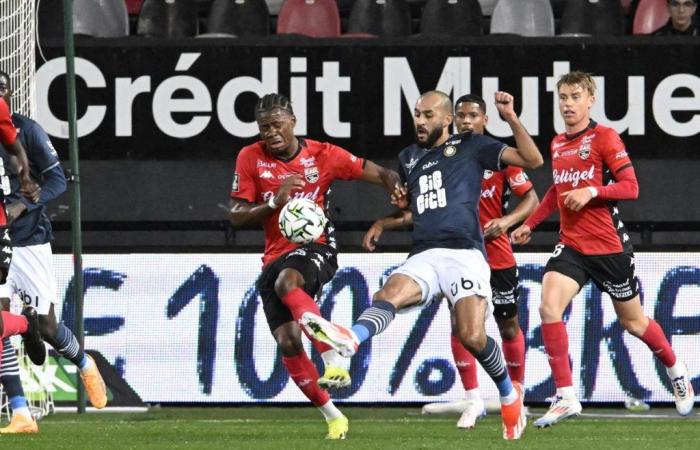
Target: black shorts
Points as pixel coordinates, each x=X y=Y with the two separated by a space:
x=504 y=288
x=317 y=263
x=613 y=273
x=5 y=252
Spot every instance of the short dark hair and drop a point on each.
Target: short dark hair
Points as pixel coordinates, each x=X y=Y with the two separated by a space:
x=472 y=98
x=269 y=102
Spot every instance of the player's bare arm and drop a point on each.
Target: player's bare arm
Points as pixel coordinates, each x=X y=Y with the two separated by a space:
x=400 y=219
x=243 y=212
x=376 y=174
x=496 y=227
x=526 y=154
x=28 y=187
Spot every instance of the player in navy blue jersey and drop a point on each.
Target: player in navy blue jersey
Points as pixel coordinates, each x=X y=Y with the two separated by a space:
x=442 y=175
x=31 y=274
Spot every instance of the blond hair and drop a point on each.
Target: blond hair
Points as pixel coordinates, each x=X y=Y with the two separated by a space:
x=583 y=79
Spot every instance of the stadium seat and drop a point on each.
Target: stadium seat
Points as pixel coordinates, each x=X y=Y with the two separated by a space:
x=314 y=18
x=523 y=17
x=100 y=18
x=380 y=18
x=626 y=5
x=487 y=6
x=650 y=16
x=169 y=18
x=241 y=18
x=452 y=17
x=594 y=17
x=133 y=7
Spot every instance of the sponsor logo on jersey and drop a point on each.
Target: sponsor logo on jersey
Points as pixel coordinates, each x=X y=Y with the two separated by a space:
x=429 y=165
x=262 y=163
x=311 y=174
x=454 y=142
x=518 y=179
x=488 y=174
x=432 y=194
x=572 y=176
x=235 y=185
x=411 y=164
x=266 y=174
x=621 y=154
x=353 y=158
x=308 y=162
x=450 y=150
x=489 y=193
x=556 y=145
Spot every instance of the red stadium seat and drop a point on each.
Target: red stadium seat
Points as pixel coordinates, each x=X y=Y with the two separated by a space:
x=314 y=18
x=650 y=16
x=626 y=4
x=133 y=7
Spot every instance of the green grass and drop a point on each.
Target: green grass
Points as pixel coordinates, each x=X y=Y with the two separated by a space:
x=370 y=428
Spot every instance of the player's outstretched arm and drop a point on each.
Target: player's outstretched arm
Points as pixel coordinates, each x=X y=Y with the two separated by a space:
x=496 y=227
x=526 y=154
x=376 y=174
x=400 y=219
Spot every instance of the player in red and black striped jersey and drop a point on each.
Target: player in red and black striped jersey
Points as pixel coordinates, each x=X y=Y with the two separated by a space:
x=495 y=220
x=268 y=173
x=591 y=171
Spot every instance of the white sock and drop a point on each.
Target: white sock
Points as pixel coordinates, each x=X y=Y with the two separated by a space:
x=472 y=394
x=329 y=411
x=510 y=398
x=23 y=411
x=677 y=370
x=566 y=392
x=332 y=358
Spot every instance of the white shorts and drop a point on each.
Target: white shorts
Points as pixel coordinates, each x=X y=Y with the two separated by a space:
x=451 y=273
x=32 y=278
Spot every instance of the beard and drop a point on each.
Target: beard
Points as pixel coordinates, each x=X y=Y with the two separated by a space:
x=433 y=136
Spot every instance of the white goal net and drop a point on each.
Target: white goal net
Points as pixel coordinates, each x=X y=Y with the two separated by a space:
x=17 y=45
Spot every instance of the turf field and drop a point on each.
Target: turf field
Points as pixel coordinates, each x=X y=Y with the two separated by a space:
x=370 y=428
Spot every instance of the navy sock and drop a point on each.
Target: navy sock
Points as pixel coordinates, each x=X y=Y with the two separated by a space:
x=491 y=359
x=9 y=376
x=67 y=345
x=374 y=319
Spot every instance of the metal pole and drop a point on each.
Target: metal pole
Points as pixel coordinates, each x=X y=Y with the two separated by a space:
x=75 y=185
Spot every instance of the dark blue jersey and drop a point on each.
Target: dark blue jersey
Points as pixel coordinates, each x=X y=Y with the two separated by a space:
x=33 y=226
x=444 y=184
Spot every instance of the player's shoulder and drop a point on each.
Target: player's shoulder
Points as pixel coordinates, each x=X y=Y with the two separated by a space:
x=320 y=148
x=607 y=138
x=252 y=151
x=605 y=131
x=25 y=123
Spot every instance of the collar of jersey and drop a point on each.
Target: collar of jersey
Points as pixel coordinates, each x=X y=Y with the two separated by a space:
x=302 y=144
x=591 y=124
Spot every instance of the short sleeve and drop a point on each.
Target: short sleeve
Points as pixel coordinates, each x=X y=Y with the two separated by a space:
x=518 y=180
x=345 y=165
x=8 y=132
x=613 y=151
x=243 y=186
x=489 y=152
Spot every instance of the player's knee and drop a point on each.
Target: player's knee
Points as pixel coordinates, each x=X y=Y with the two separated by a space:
x=387 y=295
x=508 y=328
x=288 y=280
x=636 y=326
x=289 y=344
x=549 y=313
x=472 y=340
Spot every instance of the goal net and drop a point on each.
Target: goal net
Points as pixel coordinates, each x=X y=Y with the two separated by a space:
x=17 y=45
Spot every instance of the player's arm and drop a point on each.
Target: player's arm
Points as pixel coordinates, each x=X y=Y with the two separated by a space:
x=496 y=227
x=243 y=212
x=525 y=154
x=376 y=174
x=9 y=140
x=523 y=233
x=400 y=219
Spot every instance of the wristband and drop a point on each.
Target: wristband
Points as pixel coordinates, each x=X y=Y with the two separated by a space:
x=594 y=191
x=271 y=202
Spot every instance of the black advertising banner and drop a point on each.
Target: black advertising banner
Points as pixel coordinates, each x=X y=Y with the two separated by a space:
x=193 y=99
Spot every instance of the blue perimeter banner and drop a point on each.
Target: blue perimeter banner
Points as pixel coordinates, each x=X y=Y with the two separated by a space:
x=190 y=328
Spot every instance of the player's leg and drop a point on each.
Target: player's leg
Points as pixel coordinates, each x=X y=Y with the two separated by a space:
x=474 y=407
x=504 y=284
x=414 y=283
x=563 y=278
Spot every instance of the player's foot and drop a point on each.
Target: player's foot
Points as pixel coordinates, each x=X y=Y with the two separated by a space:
x=513 y=416
x=334 y=378
x=683 y=393
x=342 y=339
x=560 y=409
x=455 y=407
x=337 y=428
x=20 y=424
x=94 y=385
x=474 y=411
x=33 y=343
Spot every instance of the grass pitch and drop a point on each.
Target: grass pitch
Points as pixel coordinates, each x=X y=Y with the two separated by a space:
x=370 y=428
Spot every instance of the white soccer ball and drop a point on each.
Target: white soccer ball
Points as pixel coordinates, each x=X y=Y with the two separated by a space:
x=302 y=221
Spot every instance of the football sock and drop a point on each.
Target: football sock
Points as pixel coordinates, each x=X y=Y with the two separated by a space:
x=329 y=411
x=514 y=354
x=491 y=359
x=305 y=375
x=67 y=345
x=11 y=383
x=374 y=320
x=656 y=340
x=13 y=324
x=556 y=343
x=466 y=364
x=300 y=302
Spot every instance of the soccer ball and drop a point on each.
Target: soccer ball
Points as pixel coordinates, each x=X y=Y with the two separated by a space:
x=302 y=221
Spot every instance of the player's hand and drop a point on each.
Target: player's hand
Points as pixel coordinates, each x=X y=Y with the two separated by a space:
x=521 y=235
x=369 y=242
x=30 y=189
x=288 y=185
x=578 y=198
x=504 y=104
x=14 y=210
x=495 y=227
x=399 y=197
